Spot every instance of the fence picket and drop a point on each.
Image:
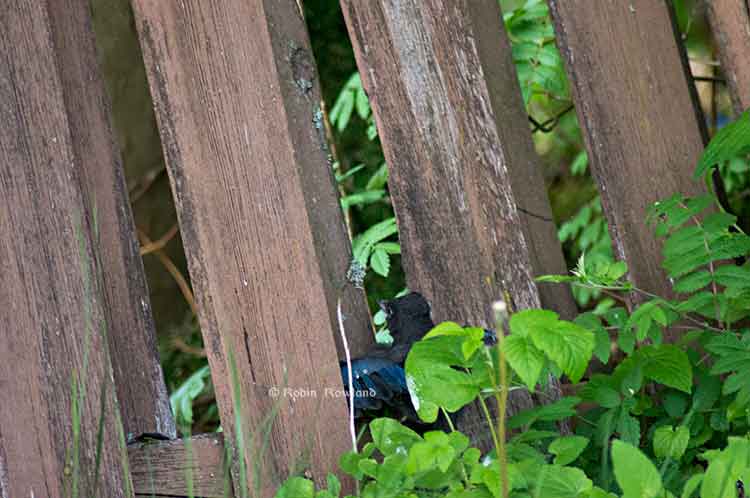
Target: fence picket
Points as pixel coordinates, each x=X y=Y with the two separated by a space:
x=237 y=101
x=637 y=115
x=55 y=373
x=141 y=391
x=473 y=214
x=730 y=23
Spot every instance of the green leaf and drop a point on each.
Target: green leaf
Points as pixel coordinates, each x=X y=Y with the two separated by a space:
x=668 y=365
x=691 y=485
x=671 y=443
x=182 y=399
x=599 y=390
x=389 y=435
x=557 y=481
x=569 y=345
x=603 y=343
x=628 y=462
x=523 y=322
x=675 y=404
x=731 y=141
x=524 y=358
x=380 y=262
x=363 y=244
x=725 y=469
x=566 y=449
x=693 y=282
x=629 y=428
x=560 y=409
x=433 y=381
x=707 y=392
x=334 y=485
x=296 y=487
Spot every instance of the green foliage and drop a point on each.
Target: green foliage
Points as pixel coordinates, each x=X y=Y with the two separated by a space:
x=183 y=397
x=643 y=424
x=730 y=142
x=634 y=472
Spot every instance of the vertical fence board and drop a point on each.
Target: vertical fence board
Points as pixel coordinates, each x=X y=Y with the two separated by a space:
x=730 y=23
x=637 y=115
x=474 y=217
x=141 y=391
x=470 y=200
x=235 y=90
x=51 y=302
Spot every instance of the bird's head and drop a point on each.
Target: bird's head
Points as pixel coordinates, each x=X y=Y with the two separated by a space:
x=408 y=318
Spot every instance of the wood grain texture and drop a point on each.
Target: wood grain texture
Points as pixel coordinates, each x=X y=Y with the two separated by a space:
x=463 y=172
x=237 y=100
x=142 y=393
x=637 y=114
x=730 y=24
x=162 y=468
x=52 y=305
x=473 y=214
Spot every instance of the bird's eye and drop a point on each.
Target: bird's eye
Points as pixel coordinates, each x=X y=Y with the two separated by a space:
x=386 y=308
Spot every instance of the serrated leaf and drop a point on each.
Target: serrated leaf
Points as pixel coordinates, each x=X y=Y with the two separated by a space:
x=731 y=141
x=523 y=322
x=569 y=345
x=733 y=276
x=380 y=262
x=524 y=358
x=668 y=365
x=693 y=282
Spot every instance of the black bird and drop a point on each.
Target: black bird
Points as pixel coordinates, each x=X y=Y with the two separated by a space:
x=378 y=377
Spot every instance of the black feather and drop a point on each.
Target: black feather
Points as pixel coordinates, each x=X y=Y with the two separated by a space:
x=378 y=377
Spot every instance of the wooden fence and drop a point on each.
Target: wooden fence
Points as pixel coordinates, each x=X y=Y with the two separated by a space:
x=236 y=95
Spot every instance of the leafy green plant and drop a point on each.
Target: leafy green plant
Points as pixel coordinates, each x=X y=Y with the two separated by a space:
x=658 y=420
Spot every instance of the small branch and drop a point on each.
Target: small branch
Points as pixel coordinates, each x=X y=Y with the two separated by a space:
x=144 y=183
x=181 y=345
x=161 y=242
x=173 y=270
x=549 y=125
x=709 y=79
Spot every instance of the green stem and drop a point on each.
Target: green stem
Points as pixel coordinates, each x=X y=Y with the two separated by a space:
x=501 y=394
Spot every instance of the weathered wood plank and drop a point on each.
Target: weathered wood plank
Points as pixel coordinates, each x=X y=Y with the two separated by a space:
x=474 y=217
x=52 y=305
x=730 y=23
x=141 y=391
x=637 y=115
x=173 y=468
x=470 y=200
x=235 y=90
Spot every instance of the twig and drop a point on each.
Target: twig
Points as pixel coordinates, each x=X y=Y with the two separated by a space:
x=161 y=242
x=144 y=183
x=549 y=125
x=173 y=270
x=181 y=345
